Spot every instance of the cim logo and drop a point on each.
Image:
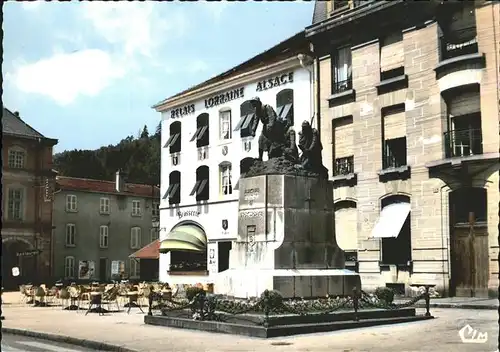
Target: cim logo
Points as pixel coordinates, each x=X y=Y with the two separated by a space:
x=470 y=335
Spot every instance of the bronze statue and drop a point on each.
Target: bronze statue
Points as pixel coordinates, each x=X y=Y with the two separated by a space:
x=311 y=147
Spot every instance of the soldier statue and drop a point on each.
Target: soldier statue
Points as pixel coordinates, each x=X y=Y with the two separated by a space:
x=311 y=147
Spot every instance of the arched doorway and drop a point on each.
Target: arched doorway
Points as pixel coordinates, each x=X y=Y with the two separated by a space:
x=10 y=259
x=468 y=243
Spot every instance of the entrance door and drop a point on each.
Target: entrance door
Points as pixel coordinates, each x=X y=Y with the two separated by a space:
x=469 y=262
x=223 y=250
x=103 y=266
x=10 y=259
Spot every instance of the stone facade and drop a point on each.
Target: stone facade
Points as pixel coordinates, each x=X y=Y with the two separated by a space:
x=27 y=186
x=357 y=128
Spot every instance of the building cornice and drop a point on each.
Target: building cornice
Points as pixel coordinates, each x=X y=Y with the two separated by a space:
x=228 y=83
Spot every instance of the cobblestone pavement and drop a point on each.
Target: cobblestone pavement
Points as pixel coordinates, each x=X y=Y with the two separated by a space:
x=440 y=334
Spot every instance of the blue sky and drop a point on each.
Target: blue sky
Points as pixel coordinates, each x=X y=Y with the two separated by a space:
x=87 y=73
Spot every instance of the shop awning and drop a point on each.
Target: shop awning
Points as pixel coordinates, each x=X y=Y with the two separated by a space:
x=151 y=251
x=391 y=220
x=185 y=238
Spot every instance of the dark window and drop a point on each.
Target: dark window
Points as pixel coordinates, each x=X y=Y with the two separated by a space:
x=465 y=201
x=284 y=105
x=174 y=141
x=341 y=70
x=465 y=138
x=224 y=248
x=394 y=152
x=458 y=25
x=247 y=115
x=344 y=166
x=202 y=131
x=394 y=37
x=397 y=251
x=184 y=261
x=396 y=72
x=201 y=188
x=339 y=5
x=174 y=188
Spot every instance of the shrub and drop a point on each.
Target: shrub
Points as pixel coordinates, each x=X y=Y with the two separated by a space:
x=385 y=294
x=192 y=291
x=271 y=298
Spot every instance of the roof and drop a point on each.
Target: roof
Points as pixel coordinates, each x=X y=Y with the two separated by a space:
x=13 y=125
x=101 y=186
x=151 y=251
x=319 y=13
x=278 y=52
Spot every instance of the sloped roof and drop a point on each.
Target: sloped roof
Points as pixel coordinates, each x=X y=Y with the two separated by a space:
x=151 y=251
x=319 y=13
x=101 y=186
x=14 y=125
x=280 y=51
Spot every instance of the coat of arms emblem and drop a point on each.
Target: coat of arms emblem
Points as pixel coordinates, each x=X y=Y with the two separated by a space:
x=224 y=224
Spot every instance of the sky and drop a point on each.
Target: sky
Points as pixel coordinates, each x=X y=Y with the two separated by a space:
x=87 y=73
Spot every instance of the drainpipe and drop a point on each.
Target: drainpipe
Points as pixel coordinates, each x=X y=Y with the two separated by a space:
x=304 y=61
x=445 y=243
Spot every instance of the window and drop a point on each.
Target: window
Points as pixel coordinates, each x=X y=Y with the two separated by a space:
x=16 y=158
x=226 y=187
x=174 y=188
x=174 y=141
x=458 y=26
x=225 y=125
x=201 y=188
x=155 y=209
x=103 y=236
x=136 y=208
x=394 y=153
x=71 y=204
x=15 y=204
x=104 y=206
x=154 y=234
x=342 y=70
x=397 y=251
x=202 y=132
x=468 y=204
x=284 y=105
x=135 y=268
x=69 y=267
x=70 y=235
x=343 y=166
x=135 y=238
x=247 y=116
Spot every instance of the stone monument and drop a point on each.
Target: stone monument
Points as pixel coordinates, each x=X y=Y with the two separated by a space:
x=286 y=238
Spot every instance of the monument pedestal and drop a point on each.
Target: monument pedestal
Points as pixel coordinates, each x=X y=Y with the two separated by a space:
x=286 y=240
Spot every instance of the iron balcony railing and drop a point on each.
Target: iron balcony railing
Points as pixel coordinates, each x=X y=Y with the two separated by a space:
x=462 y=143
x=458 y=43
x=342 y=86
x=344 y=166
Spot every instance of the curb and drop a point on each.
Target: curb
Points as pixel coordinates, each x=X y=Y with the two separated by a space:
x=100 y=346
x=459 y=306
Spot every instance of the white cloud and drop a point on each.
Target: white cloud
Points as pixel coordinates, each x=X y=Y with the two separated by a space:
x=64 y=77
x=134 y=26
x=215 y=9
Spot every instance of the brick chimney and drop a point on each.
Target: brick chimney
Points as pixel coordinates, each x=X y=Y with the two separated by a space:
x=16 y=113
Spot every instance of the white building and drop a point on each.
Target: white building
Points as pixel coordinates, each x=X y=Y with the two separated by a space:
x=205 y=136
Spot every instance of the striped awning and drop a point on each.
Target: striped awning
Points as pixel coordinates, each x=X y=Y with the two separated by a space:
x=187 y=237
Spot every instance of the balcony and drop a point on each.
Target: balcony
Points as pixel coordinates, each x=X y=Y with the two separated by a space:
x=394 y=161
x=463 y=143
x=459 y=43
x=343 y=172
x=342 y=92
x=342 y=86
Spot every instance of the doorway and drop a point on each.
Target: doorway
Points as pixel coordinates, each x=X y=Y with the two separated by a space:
x=224 y=248
x=103 y=266
x=468 y=243
x=11 y=259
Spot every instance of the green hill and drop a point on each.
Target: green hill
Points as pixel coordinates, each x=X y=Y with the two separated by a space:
x=138 y=157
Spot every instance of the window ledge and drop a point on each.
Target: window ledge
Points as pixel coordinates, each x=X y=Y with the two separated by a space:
x=70 y=245
x=104 y=213
x=136 y=215
x=407 y=265
x=476 y=57
x=188 y=273
x=348 y=179
x=482 y=224
x=342 y=96
x=392 y=84
x=103 y=247
x=71 y=211
x=392 y=173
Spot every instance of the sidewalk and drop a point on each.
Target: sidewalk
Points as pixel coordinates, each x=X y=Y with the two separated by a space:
x=458 y=302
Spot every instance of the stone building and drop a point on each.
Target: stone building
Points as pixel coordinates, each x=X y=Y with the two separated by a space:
x=27 y=184
x=99 y=224
x=206 y=138
x=408 y=98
